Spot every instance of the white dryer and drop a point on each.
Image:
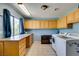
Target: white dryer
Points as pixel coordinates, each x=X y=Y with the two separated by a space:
x=66 y=46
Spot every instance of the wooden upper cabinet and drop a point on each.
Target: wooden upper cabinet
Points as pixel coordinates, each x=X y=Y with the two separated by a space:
x=76 y=15
x=40 y=24
x=35 y=24
x=58 y=24
x=70 y=18
x=44 y=24
x=52 y=24
x=62 y=23
x=73 y=17
x=31 y=24
x=27 y=24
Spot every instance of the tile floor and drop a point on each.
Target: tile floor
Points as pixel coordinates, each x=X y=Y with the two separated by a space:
x=38 y=49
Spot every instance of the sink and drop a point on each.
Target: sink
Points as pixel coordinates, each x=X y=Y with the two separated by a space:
x=63 y=37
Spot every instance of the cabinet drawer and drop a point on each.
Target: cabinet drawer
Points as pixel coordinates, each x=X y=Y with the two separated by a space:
x=22 y=50
x=22 y=53
x=20 y=46
x=22 y=43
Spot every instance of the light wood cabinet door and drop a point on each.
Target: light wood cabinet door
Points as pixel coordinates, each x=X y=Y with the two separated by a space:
x=62 y=23
x=59 y=24
x=22 y=47
x=32 y=24
x=52 y=24
x=44 y=24
x=1 y=48
x=11 y=48
x=76 y=16
x=36 y=24
x=27 y=24
x=70 y=18
x=41 y=24
x=29 y=41
x=15 y=48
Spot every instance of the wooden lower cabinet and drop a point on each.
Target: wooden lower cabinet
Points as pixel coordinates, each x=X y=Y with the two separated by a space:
x=1 y=48
x=22 y=47
x=29 y=41
x=11 y=48
x=15 y=48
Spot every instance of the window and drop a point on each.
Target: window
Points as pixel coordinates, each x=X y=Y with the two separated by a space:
x=1 y=26
x=15 y=26
x=12 y=29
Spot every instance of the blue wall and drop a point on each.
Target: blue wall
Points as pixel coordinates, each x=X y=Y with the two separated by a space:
x=38 y=33
x=75 y=29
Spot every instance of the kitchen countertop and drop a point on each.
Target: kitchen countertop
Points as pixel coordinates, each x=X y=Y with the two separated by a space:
x=15 y=38
x=65 y=38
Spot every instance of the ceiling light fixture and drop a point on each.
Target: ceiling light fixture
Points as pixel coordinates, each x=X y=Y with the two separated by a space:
x=56 y=9
x=24 y=9
x=44 y=7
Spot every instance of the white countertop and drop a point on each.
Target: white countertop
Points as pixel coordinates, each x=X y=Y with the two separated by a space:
x=15 y=38
x=69 y=37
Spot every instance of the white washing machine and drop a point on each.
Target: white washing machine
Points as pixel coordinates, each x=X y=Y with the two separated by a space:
x=66 y=46
x=53 y=41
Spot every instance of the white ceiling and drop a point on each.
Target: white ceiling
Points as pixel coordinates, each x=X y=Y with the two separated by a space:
x=36 y=11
